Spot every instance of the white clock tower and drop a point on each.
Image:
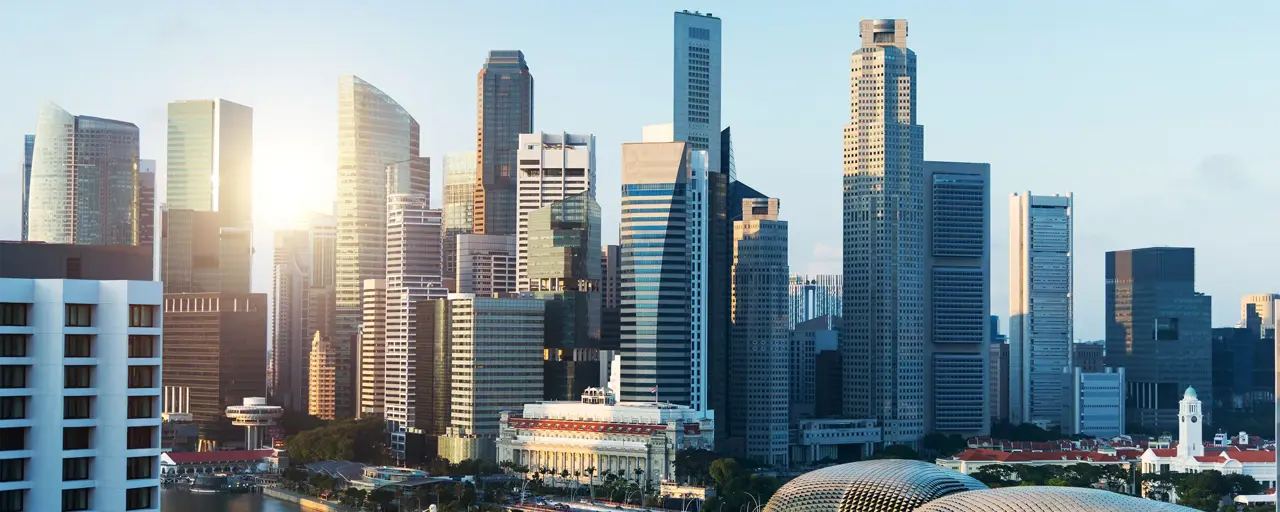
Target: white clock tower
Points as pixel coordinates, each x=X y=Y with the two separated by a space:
x=1190 y=429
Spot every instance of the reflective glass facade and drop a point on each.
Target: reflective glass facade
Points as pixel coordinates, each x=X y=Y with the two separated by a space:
x=505 y=110
x=210 y=159
x=28 y=148
x=459 y=199
x=1040 y=306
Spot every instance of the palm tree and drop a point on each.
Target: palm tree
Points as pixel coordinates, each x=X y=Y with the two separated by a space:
x=644 y=483
x=564 y=477
x=591 y=480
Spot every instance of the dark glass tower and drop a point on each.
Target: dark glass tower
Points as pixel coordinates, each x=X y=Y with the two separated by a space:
x=505 y=110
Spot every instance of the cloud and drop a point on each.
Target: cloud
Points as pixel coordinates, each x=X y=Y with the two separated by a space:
x=826 y=259
x=1225 y=172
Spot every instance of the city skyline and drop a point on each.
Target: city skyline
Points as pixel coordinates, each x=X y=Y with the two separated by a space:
x=1214 y=164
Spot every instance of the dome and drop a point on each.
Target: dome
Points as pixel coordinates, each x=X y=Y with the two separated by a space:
x=1191 y=393
x=881 y=485
x=1046 y=499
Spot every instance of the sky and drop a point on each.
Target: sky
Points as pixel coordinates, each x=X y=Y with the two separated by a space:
x=1160 y=116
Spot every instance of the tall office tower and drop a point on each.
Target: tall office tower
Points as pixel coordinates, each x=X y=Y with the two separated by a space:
x=760 y=358
x=656 y=244
x=808 y=339
x=884 y=236
x=459 y=199
x=696 y=90
x=322 y=359
x=84 y=180
x=1264 y=304
x=200 y=255
x=216 y=344
x=210 y=159
x=504 y=110
x=323 y=240
x=812 y=296
x=290 y=341
x=958 y=296
x=1040 y=309
x=552 y=166
x=496 y=365
x=1158 y=330
x=28 y=152
x=81 y=403
x=429 y=382
x=610 y=299
x=564 y=270
x=147 y=203
x=998 y=381
x=486 y=264
x=374 y=133
x=415 y=236
x=718 y=240
x=373 y=349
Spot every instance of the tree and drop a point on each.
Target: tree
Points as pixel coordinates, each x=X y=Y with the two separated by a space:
x=381 y=498
x=353 y=497
x=591 y=480
x=943 y=445
x=896 y=451
x=724 y=470
x=351 y=440
x=996 y=475
x=694 y=465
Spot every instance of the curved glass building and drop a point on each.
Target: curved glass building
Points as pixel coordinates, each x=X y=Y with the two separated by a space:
x=1046 y=499
x=876 y=485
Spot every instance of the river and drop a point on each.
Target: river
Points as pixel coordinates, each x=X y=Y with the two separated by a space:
x=174 y=500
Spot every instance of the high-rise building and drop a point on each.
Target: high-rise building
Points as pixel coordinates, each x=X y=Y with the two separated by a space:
x=1158 y=330
x=322 y=359
x=828 y=400
x=656 y=244
x=216 y=344
x=378 y=154
x=998 y=378
x=147 y=203
x=564 y=270
x=459 y=199
x=1040 y=307
x=429 y=383
x=610 y=298
x=552 y=166
x=504 y=108
x=812 y=296
x=1088 y=356
x=322 y=232
x=373 y=349
x=1264 y=304
x=760 y=355
x=718 y=233
x=290 y=341
x=884 y=238
x=808 y=339
x=696 y=91
x=958 y=267
x=1095 y=402
x=486 y=264
x=81 y=406
x=84 y=180
x=200 y=254
x=210 y=159
x=28 y=153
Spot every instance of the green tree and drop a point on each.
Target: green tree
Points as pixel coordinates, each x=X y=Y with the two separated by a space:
x=725 y=470
x=997 y=475
x=896 y=451
x=694 y=465
x=381 y=498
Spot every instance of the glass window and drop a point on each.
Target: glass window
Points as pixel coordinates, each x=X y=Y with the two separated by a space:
x=142 y=376
x=13 y=376
x=77 y=438
x=76 y=469
x=13 y=438
x=78 y=345
x=139 y=498
x=142 y=407
x=140 y=467
x=12 y=470
x=13 y=314
x=12 y=501
x=141 y=437
x=13 y=407
x=13 y=345
x=142 y=316
x=77 y=407
x=79 y=315
x=75 y=499
x=78 y=377
x=142 y=346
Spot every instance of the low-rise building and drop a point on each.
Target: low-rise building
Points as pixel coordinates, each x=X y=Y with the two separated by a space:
x=1190 y=455
x=970 y=461
x=174 y=464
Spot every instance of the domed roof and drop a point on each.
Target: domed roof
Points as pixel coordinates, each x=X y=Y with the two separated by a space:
x=1046 y=499
x=1191 y=393
x=881 y=485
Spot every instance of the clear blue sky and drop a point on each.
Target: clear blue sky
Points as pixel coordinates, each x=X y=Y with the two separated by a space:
x=1160 y=115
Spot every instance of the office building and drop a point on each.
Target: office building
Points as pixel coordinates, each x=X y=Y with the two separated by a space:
x=760 y=355
x=147 y=227
x=373 y=349
x=1264 y=305
x=958 y=296
x=809 y=339
x=290 y=342
x=1242 y=371
x=202 y=254
x=428 y=379
x=216 y=345
x=210 y=159
x=696 y=91
x=378 y=154
x=1040 y=308
x=28 y=153
x=553 y=166
x=80 y=412
x=1088 y=356
x=884 y=234
x=828 y=401
x=35 y=260
x=486 y=264
x=1159 y=331
x=322 y=382
x=496 y=365
x=323 y=236
x=84 y=180
x=1095 y=402
x=459 y=199
x=998 y=379
x=812 y=296
x=505 y=108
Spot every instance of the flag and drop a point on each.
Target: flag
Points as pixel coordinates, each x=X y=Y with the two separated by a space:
x=654 y=390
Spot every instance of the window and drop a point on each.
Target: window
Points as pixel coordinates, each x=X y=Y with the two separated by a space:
x=142 y=316
x=75 y=499
x=12 y=501
x=77 y=377
x=77 y=438
x=76 y=469
x=79 y=315
x=142 y=346
x=78 y=345
x=141 y=437
x=1166 y=329
x=13 y=376
x=13 y=407
x=140 y=467
x=142 y=376
x=142 y=407
x=13 y=438
x=77 y=407
x=13 y=345
x=13 y=470
x=139 y=498
x=13 y=313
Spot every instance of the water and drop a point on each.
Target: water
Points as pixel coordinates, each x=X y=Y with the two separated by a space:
x=174 y=500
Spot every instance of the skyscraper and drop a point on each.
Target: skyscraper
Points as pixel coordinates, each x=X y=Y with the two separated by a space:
x=611 y=299
x=1158 y=330
x=147 y=203
x=1264 y=304
x=958 y=267
x=378 y=154
x=504 y=109
x=322 y=359
x=760 y=355
x=884 y=236
x=373 y=349
x=84 y=180
x=290 y=341
x=696 y=109
x=210 y=159
x=552 y=166
x=656 y=269
x=1040 y=309
x=812 y=296
x=459 y=199
x=321 y=230
x=486 y=264
x=28 y=152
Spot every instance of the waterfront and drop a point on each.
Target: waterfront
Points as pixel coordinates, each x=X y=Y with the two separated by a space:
x=174 y=500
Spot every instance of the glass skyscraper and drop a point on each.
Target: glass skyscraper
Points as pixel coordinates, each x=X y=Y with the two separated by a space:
x=1040 y=306
x=812 y=296
x=505 y=108
x=459 y=199
x=210 y=159
x=28 y=148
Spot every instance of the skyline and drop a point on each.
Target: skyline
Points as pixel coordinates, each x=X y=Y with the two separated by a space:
x=1107 y=123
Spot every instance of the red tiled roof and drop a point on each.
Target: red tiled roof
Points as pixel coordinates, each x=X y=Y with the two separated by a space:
x=1259 y=456
x=222 y=456
x=1165 y=452
x=1209 y=458
x=595 y=426
x=978 y=455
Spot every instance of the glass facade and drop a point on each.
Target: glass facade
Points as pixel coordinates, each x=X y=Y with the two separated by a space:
x=874 y=485
x=28 y=149
x=505 y=111
x=459 y=198
x=210 y=159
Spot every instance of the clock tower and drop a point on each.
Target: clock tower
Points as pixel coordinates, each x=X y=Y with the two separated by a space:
x=1190 y=429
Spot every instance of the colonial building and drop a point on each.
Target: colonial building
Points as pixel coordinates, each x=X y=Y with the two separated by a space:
x=599 y=432
x=1190 y=455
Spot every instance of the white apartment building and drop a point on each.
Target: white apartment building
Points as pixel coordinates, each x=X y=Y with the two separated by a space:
x=80 y=394
x=552 y=166
x=1040 y=310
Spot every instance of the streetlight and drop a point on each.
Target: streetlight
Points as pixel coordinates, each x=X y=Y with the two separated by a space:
x=754 y=501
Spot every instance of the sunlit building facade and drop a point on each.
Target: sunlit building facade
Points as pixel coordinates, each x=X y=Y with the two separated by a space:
x=459 y=200
x=505 y=110
x=210 y=159
x=812 y=296
x=552 y=166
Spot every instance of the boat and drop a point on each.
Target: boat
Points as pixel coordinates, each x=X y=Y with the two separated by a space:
x=208 y=484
